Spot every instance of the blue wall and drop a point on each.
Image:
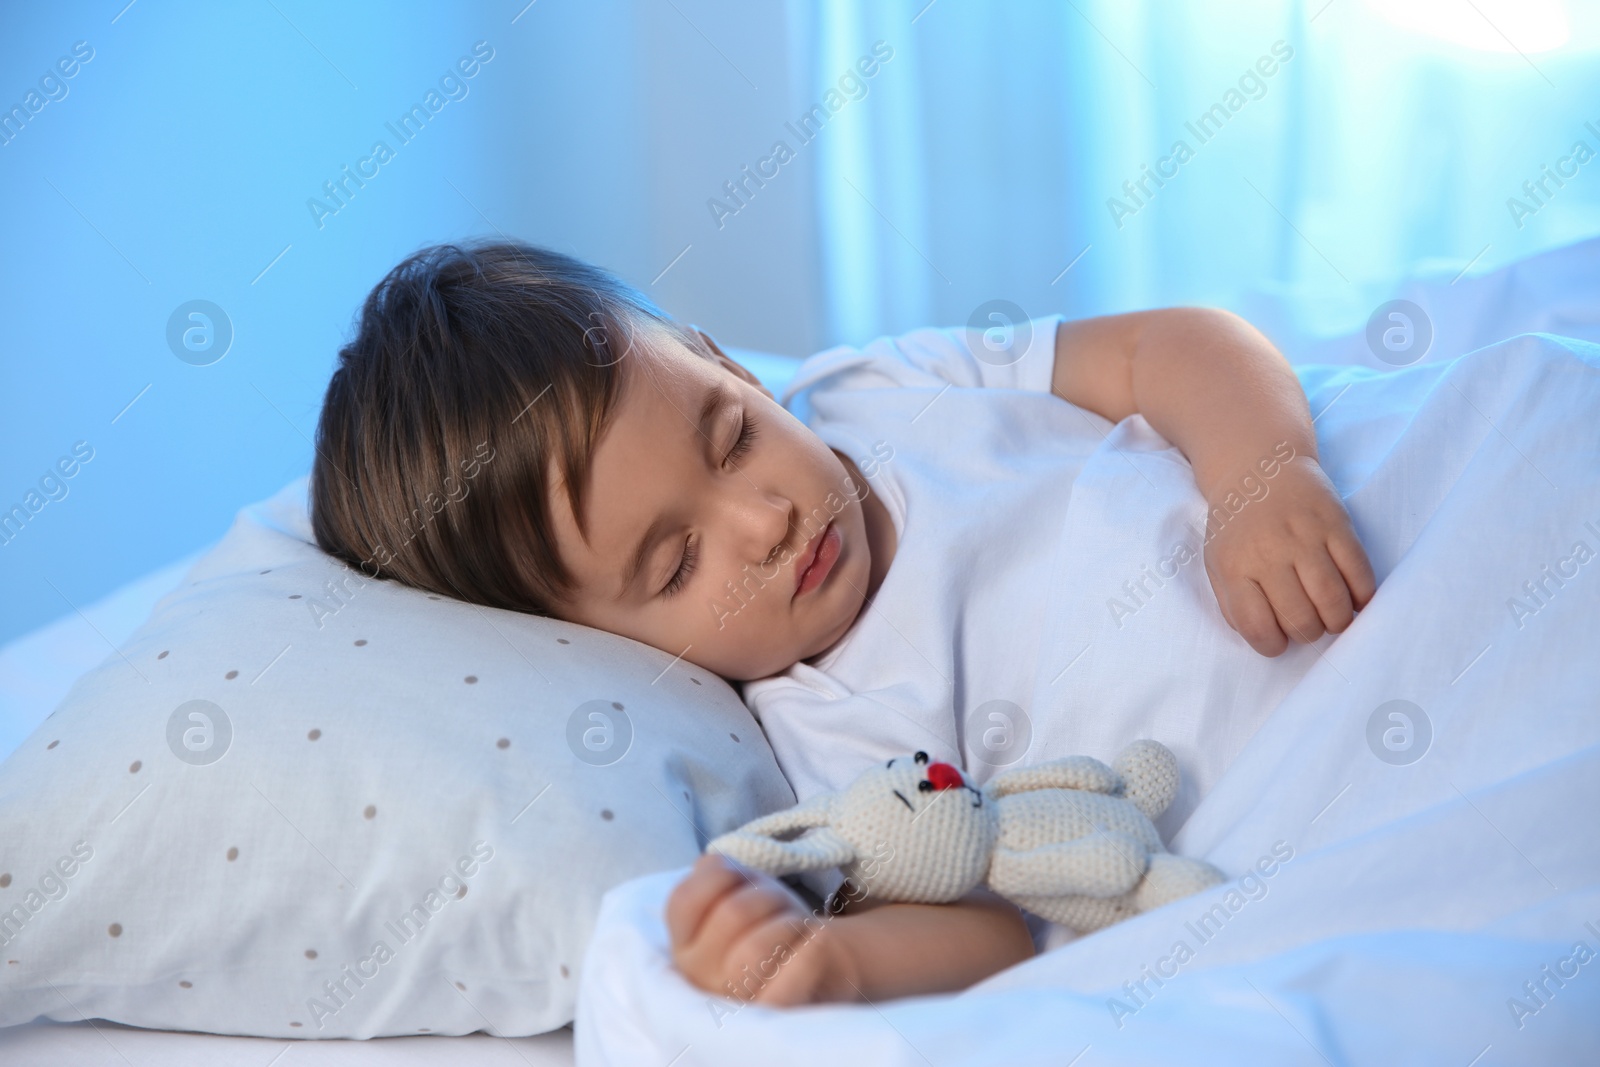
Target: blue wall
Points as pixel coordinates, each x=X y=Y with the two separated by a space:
x=178 y=164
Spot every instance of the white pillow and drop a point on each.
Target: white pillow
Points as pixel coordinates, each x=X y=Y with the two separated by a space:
x=301 y=803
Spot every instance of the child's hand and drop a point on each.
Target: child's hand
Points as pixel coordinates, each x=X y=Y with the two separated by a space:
x=730 y=924
x=1289 y=566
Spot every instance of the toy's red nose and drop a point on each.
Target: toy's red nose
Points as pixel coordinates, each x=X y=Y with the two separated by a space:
x=944 y=776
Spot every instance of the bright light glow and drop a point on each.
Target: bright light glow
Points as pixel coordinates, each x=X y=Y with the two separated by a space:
x=1525 y=26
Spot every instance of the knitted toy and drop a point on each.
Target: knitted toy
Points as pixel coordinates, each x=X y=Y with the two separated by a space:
x=1069 y=840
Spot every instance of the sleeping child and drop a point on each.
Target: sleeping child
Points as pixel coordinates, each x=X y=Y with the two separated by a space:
x=877 y=563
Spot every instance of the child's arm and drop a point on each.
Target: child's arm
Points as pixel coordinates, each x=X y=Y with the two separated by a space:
x=1284 y=559
x=738 y=932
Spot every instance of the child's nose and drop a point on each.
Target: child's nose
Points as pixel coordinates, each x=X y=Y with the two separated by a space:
x=944 y=776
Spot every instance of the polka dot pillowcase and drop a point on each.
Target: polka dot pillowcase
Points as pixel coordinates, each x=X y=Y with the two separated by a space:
x=301 y=803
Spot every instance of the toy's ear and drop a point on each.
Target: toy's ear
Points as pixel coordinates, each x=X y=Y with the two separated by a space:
x=1151 y=772
x=791 y=821
x=761 y=844
x=1068 y=772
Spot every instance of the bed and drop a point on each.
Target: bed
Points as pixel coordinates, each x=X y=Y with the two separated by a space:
x=1290 y=996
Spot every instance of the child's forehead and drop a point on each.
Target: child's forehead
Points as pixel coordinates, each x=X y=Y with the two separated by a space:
x=668 y=395
x=657 y=359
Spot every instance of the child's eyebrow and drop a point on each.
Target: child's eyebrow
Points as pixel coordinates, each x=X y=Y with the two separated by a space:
x=716 y=398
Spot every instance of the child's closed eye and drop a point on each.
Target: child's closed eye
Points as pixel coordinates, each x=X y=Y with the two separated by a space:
x=748 y=431
x=691 y=555
x=747 y=438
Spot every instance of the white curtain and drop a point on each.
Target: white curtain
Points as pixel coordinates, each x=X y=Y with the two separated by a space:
x=1329 y=149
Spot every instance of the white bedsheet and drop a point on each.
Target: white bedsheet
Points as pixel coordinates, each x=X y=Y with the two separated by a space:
x=1420 y=896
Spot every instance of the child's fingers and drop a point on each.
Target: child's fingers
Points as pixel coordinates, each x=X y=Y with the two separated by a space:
x=1326 y=587
x=1296 y=614
x=1251 y=614
x=1351 y=559
x=731 y=920
x=691 y=901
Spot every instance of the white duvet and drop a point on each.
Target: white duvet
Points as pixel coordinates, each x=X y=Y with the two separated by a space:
x=1415 y=882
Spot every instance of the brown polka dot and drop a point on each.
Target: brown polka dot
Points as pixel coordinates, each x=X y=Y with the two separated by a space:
x=605 y=813
x=164 y=654
x=293 y=1023
x=564 y=972
x=233 y=854
x=504 y=742
x=115 y=929
x=231 y=675
x=5 y=880
x=616 y=705
x=314 y=734
x=735 y=737
x=471 y=679
x=696 y=681
x=461 y=987
x=133 y=768
x=370 y=813
x=52 y=744
x=185 y=984
x=562 y=641
x=13 y=962
x=294 y=596
x=360 y=641
x=311 y=953
x=461 y=892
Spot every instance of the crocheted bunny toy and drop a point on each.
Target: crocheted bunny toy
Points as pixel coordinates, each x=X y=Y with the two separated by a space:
x=1069 y=840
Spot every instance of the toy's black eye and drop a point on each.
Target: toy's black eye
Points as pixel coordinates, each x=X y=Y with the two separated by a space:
x=921 y=757
x=925 y=785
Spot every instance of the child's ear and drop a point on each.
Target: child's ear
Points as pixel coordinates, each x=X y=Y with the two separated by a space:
x=732 y=365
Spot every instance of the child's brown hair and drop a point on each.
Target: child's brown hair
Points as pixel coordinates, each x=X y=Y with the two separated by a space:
x=475 y=368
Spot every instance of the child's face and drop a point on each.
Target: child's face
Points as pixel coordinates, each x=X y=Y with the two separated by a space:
x=749 y=520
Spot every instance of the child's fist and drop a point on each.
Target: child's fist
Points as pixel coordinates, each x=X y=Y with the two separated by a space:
x=1288 y=567
x=742 y=933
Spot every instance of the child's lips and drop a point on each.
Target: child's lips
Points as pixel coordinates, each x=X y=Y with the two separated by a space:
x=814 y=567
